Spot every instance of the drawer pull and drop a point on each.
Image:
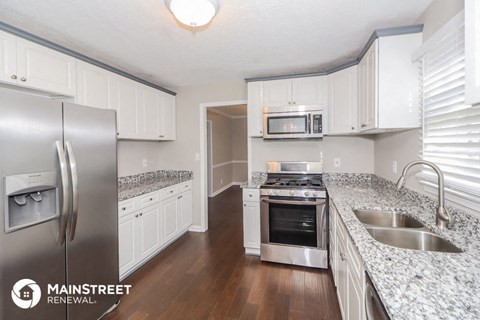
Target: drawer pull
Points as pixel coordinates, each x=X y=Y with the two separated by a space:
x=13 y=76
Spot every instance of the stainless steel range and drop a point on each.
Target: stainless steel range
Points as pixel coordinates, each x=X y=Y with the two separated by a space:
x=293 y=215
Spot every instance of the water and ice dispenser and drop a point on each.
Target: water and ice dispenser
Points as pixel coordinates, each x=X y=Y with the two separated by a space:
x=30 y=199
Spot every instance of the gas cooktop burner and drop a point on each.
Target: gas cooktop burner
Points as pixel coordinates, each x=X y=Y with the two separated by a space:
x=295 y=182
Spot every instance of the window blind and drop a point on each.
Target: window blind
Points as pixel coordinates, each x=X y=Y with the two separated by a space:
x=451 y=128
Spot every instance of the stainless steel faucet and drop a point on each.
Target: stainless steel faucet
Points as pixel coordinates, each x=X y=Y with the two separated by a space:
x=443 y=218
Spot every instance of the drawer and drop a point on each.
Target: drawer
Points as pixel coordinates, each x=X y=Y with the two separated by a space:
x=184 y=186
x=125 y=207
x=251 y=194
x=169 y=192
x=149 y=198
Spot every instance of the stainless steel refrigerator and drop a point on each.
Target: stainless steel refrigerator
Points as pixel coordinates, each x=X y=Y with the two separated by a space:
x=58 y=204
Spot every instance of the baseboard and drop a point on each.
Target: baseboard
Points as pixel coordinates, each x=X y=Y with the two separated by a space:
x=216 y=193
x=197 y=229
x=252 y=251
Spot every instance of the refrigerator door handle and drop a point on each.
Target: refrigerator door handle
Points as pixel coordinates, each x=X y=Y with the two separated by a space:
x=74 y=175
x=65 y=189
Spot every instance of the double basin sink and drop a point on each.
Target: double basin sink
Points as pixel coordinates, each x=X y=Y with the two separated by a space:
x=402 y=231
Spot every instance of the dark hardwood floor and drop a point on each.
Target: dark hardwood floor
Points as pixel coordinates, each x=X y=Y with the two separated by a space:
x=208 y=276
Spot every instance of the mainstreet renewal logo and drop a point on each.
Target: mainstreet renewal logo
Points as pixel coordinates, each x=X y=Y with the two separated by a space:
x=26 y=293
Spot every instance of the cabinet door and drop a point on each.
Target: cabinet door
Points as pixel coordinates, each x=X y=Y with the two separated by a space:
x=45 y=69
x=8 y=58
x=92 y=86
x=472 y=52
x=148 y=230
x=254 y=109
x=149 y=104
x=185 y=209
x=333 y=243
x=309 y=91
x=126 y=243
x=369 y=85
x=342 y=274
x=166 y=117
x=125 y=103
x=355 y=300
x=277 y=93
x=169 y=116
x=342 y=105
x=170 y=221
x=251 y=224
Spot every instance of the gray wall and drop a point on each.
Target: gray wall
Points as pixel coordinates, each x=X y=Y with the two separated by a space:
x=229 y=149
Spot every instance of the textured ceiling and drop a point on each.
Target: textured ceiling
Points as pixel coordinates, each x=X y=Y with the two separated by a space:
x=248 y=38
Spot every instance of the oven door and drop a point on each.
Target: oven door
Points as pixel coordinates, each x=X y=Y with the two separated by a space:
x=290 y=125
x=294 y=222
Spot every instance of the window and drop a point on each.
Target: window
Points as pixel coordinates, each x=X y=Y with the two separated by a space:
x=451 y=128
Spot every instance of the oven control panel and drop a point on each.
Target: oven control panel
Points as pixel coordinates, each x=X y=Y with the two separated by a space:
x=297 y=193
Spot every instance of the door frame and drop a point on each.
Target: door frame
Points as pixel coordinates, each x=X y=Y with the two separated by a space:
x=203 y=156
x=210 y=155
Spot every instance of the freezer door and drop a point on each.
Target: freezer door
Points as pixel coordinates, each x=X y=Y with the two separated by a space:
x=29 y=128
x=92 y=238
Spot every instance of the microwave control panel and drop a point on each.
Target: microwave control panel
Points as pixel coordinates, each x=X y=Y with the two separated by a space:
x=316 y=123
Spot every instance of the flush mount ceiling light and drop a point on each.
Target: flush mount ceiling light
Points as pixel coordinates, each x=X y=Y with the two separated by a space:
x=193 y=13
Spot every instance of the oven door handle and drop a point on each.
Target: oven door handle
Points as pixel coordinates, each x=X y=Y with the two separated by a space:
x=299 y=203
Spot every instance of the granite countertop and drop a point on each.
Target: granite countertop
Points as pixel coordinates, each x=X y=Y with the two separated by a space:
x=136 y=185
x=258 y=178
x=413 y=284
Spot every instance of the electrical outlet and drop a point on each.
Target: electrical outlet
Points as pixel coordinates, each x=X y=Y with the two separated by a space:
x=394 y=166
x=145 y=163
x=337 y=162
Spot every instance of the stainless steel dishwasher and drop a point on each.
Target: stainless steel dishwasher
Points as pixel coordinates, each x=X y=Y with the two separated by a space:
x=374 y=308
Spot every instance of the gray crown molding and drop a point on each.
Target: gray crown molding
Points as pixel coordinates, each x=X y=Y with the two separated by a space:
x=386 y=32
x=31 y=37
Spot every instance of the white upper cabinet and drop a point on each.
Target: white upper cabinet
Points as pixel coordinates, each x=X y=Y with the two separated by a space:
x=297 y=91
x=124 y=99
x=342 y=101
x=148 y=102
x=254 y=109
x=277 y=93
x=389 y=85
x=8 y=58
x=93 y=86
x=30 y=65
x=472 y=51
x=166 y=117
x=310 y=90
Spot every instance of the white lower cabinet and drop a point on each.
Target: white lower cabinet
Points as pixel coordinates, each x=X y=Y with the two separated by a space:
x=150 y=222
x=251 y=221
x=348 y=270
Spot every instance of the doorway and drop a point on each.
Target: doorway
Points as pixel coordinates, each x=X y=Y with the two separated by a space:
x=216 y=163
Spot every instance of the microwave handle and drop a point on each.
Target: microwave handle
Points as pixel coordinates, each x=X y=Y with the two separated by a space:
x=309 y=121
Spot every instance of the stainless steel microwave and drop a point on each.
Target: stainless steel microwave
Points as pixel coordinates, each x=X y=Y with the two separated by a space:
x=293 y=122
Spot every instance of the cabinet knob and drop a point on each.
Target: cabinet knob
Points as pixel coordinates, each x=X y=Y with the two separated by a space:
x=289 y=102
x=261 y=132
x=136 y=216
x=294 y=102
x=151 y=199
x=118 y=133
x=141 y=214
x=244 y=205
x=23 y=79
x=13 y=76
x=123 y=208
x=250 y=195
x=160 y=136
x=363 y=125
x=353 y=128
